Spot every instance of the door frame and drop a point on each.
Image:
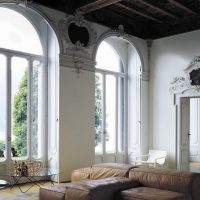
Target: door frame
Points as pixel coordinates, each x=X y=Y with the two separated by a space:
x=180 y=161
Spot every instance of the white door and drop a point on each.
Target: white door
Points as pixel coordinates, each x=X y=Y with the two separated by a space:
x=195 y=129
x=184 y=133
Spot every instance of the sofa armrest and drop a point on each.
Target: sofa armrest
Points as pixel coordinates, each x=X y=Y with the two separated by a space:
x=166 y=179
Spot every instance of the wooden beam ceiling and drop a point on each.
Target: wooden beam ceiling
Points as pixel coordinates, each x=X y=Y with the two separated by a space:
x=158 y=9
x=96 y=5
x=147 y=19
x=138 y=13
x=138 y=28
x=179 y=5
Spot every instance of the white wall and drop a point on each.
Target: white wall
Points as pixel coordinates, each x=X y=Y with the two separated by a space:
x=76 y=142
x=169 y=56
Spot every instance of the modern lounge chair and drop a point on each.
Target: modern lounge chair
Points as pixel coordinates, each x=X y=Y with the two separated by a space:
x=154 y=158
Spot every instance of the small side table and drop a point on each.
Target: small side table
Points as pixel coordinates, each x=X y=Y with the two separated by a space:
x=3 y=184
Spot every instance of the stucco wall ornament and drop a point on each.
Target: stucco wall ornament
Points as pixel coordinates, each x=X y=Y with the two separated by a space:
x=191 y=80
x=77 y=32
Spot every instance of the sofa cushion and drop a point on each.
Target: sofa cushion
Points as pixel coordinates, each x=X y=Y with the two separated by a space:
x=146 y=193
x=173 y=180
x=55 y=192
x=81 y=174
x=105 y=170
x=102 y=189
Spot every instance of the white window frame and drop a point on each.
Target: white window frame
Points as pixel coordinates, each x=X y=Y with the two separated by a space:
x=9 y=54
x=117 y=75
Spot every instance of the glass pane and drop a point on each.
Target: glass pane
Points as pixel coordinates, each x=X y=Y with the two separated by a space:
x=110 y=131
x=3 y=106
x=121 y=114
x=98 y=113
x=108 y=59
x=36 y=110
x=17 y=33
x=19 y=101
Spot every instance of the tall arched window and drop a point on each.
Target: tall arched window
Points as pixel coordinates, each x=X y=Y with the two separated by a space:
x=117 y=101
x=23 y=83
x=110 y=99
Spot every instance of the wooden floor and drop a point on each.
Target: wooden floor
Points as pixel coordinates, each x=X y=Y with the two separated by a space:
x=15 y=193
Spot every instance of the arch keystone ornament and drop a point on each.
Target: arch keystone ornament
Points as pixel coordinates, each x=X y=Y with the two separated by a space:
x=189 y=82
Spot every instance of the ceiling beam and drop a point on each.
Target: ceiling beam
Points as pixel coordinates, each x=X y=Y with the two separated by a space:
x=179 y=5
x=158 y=9
x=131 y=26
x=138 y=13
x=116 y=15
x=96 y=5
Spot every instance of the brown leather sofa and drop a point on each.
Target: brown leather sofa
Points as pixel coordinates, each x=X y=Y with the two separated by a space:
x=126 y=182
x=102 y=170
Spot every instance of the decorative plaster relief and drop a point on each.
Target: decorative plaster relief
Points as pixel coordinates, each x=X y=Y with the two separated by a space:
x=191 y=80
x=78 y=34
x=77 y=63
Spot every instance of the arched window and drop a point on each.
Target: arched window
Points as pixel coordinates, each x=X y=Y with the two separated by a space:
x=110 y=99
x=117 y=101
x=17 y=33
x=23 y=84
x=21 y=58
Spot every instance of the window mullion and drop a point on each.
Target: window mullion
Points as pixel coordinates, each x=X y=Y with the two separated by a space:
x=117 y=110
x=104 y=114
x=29 y=108
x=8 y=98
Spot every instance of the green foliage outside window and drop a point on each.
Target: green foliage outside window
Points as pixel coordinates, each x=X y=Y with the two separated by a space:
x=98 y=111
x=19 y=128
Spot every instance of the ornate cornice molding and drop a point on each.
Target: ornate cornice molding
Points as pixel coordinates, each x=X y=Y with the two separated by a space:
x=181 y=84
x=77 y=63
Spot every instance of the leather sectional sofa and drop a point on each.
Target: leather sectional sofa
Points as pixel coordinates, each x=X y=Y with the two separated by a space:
x=111 y=181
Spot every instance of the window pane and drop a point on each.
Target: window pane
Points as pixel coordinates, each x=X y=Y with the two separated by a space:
x=17 y=33
x=110 y=133
x=98 y=114
x=108 y=59
x=3 y=106
x=36 y=110
x=121 y=131
x=19 y=101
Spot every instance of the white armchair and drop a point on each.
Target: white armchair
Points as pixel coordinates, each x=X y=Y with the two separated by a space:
x=153 y=158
